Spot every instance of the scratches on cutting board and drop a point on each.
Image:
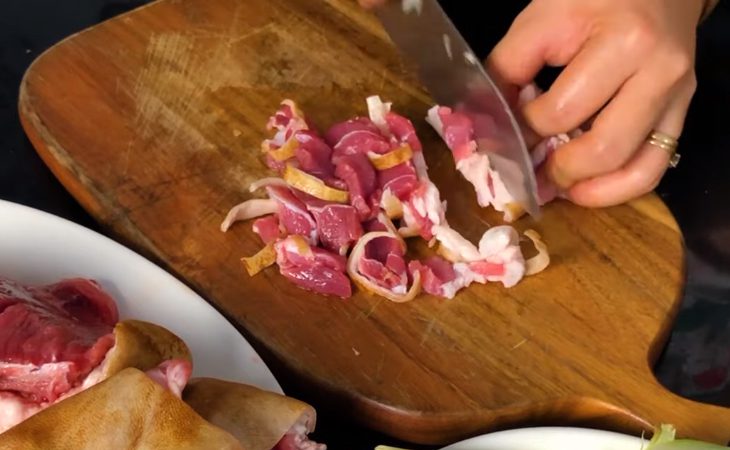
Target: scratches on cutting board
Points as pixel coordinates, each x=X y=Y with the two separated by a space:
x=366 y=315
x=379 y=369
x=181 y=70
x=125 y=159
x=184 y=71
x=166 y=89
x=427 y=332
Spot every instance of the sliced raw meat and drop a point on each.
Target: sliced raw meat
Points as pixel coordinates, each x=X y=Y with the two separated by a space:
x=455 y=246
x=380 y=223
x=66 y=332
x=313 y=154
x=293 y=214
x=339 y=227
x=400 y=180
x=377 y=265
x=338 y=131
x=287 y=116
x=268 y=228
x=320 y=279
x=281 y=148
x=440 y=277
x=458 y=131
x=374 y=225
x=312 y=268
x=342 y=192
x=359 y=176
x=503 y=260
x=361 y=142
x=384 y=264
x=498 y=258
x=403 y=131
x=423 y=210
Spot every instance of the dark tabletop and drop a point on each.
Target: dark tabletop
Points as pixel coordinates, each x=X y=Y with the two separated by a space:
x=695 y=363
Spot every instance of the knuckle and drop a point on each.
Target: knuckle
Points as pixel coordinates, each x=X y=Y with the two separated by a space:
x=641 y=33
x=679 y=63
x=557 y=120
x=597 y=148
x=644 y=182
x=603 y=152
x=567 y=115
x=548 y=117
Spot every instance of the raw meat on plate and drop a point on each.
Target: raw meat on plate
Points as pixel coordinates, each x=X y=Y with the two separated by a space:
x=60 y=339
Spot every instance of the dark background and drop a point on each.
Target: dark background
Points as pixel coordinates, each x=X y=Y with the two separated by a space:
x=696 y=361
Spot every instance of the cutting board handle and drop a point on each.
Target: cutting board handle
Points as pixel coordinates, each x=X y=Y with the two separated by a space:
x=692 y=419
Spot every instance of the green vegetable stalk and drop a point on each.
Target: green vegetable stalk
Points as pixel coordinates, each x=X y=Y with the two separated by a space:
x=664 y=439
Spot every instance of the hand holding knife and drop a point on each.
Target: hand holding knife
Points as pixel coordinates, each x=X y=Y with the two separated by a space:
x=628 y=79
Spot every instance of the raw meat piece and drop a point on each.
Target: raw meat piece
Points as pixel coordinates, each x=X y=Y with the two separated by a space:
x=457 y=131
x=339 y=227
x=438 y=276
x=66 y=332
x=359 y=176
x=293 y=214
x=313 y=154
x=423 y=210
x=401 y=180
x=268 y=228
x=312 y=268
x=338 y=131
x=403 y=131
x=384 y=264
x=503 y=260
x=172 y=374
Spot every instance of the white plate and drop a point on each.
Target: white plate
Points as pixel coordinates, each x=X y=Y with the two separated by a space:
x=37 y=247
x=550 y=438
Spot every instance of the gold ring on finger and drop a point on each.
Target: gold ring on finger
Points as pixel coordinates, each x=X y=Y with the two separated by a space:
x=668 y=144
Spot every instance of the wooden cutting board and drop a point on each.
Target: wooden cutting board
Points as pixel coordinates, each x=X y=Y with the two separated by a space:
x=153 y=121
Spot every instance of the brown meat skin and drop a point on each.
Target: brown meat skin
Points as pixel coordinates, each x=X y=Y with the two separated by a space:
x=126 y=411
x=258 y=418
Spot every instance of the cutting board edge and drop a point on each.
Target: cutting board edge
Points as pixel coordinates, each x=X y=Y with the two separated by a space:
x=56 y=159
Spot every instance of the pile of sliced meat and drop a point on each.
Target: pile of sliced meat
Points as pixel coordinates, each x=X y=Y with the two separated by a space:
x=344 y=202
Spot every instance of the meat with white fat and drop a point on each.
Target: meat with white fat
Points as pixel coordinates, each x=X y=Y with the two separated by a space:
x=457 y=131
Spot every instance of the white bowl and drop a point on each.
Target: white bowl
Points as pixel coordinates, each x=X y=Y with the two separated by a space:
x=550 y=438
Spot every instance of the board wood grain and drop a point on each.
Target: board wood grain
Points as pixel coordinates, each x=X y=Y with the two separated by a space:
x=152 y=120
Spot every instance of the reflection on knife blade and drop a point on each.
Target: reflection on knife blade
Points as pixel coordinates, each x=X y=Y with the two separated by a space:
x=418 y=27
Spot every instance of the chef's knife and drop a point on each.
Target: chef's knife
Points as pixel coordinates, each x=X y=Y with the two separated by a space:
x=454 y=77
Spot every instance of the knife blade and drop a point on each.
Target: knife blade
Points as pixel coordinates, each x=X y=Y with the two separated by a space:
x=455 y=77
